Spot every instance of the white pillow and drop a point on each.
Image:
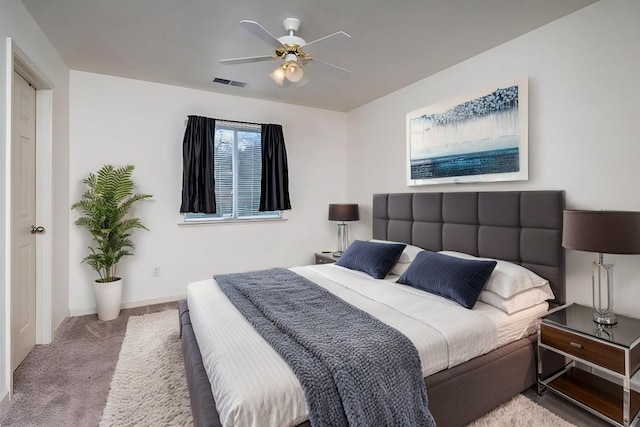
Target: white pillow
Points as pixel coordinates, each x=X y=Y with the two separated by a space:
x=399 y=268
x=408 y=254
x=507 y=279
x=519 y=301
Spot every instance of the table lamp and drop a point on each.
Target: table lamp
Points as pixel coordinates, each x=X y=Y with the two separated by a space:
x=611 y=232
x=342 y=213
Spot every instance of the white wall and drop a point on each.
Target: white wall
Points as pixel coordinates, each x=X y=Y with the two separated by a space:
x=15 y=22
x=584 y=127
x=121 y=121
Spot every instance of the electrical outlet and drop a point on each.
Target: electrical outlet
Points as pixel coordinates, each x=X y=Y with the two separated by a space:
x=156 y=271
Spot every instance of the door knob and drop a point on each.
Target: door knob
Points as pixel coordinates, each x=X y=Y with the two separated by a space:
x=37 y=230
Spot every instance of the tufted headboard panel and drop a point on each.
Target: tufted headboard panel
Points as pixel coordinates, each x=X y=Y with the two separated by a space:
x=523 y=227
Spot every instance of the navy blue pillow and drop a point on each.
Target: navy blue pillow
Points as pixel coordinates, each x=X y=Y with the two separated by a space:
x=375 y=259
x=457 y=279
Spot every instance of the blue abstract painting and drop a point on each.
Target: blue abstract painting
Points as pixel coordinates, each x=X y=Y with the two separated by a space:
x=482 y=138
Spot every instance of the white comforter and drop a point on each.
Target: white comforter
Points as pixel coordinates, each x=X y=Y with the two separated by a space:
x=253 y=386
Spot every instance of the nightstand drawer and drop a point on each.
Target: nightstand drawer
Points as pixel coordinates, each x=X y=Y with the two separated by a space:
x=325 y=258
x=585 y=348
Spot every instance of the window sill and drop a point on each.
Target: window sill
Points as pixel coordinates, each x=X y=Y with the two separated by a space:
x=230 y=221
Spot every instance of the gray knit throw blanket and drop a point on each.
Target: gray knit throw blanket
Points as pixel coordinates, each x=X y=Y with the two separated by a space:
x=354 y=369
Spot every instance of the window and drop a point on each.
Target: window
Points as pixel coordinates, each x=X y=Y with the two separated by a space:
x=237 y=173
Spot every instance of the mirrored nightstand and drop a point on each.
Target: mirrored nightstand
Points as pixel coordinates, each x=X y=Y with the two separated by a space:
x=611 y=350
x=325 y=258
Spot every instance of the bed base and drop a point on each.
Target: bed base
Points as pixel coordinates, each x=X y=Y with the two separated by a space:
x=483 y=383
x=203 y=406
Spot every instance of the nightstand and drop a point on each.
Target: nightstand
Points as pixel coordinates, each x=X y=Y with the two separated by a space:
x=611 y=350
x=325 y=258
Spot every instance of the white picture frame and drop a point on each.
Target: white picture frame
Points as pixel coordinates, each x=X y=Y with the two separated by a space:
x=478 y=137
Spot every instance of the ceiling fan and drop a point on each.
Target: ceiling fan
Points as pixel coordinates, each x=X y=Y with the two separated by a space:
x=289 y=49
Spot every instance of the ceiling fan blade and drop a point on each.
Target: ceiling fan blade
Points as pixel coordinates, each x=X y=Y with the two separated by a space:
x=259 y=31
x=247 y=60
x=332 y=40
x=334 y=70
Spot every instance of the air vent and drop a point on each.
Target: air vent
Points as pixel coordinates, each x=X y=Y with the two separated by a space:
x=228 y=82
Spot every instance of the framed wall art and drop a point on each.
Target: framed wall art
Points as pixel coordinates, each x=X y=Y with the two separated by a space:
x=481 y=137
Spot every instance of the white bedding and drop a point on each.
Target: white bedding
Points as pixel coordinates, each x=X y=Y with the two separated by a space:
x=253 y=386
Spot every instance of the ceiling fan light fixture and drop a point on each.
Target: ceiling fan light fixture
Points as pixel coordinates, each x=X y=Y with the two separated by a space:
x=290 y=57
x=278 y=75
x=294 y=71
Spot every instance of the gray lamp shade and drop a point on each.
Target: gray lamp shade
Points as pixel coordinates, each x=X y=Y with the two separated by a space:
x=610 y=232
x=343 y=212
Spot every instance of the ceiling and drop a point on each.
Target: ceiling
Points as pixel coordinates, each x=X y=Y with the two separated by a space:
x=179 y=42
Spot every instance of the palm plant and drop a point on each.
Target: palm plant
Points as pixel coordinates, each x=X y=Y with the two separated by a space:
x=104 y=205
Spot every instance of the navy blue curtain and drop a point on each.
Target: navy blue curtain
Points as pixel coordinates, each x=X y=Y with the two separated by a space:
x=274 y=194
x=198 y=182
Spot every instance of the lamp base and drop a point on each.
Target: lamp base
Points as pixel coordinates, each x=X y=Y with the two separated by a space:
x=343 y=238
x=601 y=273
x=605 y=318
x=338 y=254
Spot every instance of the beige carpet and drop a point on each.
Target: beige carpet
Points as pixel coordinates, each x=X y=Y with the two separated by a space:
x=520 y=411
x=149 y=386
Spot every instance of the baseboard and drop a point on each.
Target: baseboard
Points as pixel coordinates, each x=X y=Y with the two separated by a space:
x=128 y=304
x=4 y=398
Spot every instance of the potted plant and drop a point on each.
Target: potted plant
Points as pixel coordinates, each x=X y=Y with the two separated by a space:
x=104 y=206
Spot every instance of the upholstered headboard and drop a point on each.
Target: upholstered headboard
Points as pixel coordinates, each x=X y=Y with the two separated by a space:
x=523 y=227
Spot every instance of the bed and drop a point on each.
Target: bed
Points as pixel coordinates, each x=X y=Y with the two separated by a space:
x=520 y=227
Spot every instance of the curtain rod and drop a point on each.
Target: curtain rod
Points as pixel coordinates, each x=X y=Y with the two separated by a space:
x=230 y=121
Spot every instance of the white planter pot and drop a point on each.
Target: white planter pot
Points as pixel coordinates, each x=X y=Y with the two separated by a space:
x=108 y=299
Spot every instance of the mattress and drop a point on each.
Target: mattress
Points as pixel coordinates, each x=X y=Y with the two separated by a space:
x=253 y=386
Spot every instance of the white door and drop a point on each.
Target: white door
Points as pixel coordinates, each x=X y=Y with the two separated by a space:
x=23 y=202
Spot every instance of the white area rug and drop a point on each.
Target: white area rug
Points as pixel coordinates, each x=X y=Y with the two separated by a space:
x=149 y=387
x=520 y=411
